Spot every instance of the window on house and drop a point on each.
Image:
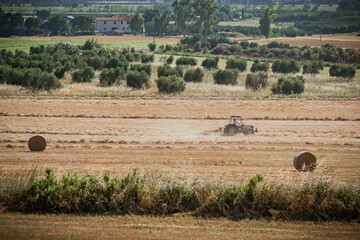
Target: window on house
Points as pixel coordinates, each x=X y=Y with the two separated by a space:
x=121 y=22
x=114 y=22
x=104 y=22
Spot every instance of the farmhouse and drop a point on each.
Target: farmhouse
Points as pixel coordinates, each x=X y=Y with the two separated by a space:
x=107 y=24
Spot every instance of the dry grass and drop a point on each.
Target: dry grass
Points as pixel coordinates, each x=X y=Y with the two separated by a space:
x=16 y=226
x=338 y=41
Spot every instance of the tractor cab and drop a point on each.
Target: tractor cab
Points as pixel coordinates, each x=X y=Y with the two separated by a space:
x=236 y=125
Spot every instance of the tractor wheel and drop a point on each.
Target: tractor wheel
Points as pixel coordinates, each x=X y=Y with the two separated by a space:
x=231 y=130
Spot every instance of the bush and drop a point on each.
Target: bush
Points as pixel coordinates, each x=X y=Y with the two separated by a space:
x=289 y=85
x=259 y=67
x=313 y=67
x=96 y=62
x=141 y=67
x=239 y=64
x=255 y=81
x=137 y=79
x=85 y=75
x=152 y=46
x=170 y=60
x=194 y=75
x=147 y=58
x=109 y=76
x=166 y=70
x=4 y=73
x=226 y=77
x=210 y=63
x=170 y=84
x=186 y=61
x=60 y=72
x=281 y=66
x=342 y=70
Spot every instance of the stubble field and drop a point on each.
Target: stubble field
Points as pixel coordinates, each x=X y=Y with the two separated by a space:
x=169 y=137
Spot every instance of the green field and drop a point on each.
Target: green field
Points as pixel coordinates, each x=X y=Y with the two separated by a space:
x=247 y=22
x=25 y=44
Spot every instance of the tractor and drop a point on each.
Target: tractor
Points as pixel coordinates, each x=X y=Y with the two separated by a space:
x=236 y=125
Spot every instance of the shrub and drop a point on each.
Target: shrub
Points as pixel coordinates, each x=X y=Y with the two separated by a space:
x=239 y=64
x=147 y=58
x=60 y=72
x=85 y=75
x=170 y=84
x=96 y=62
x=255 y=81
x=313 y=67
x=289 y=85
x=46 y=81
x=109 y=76
x=186 y=61
x=226 y=77
x=4 y=73
x=112 y=63
x=210 y=62
x=342 y=70
x=170 y=60
x=137 y=79
x=194 y=75
x=141 y=67
x=281 y=66
x=152 y=46
x=259 y=67
x=166 y=70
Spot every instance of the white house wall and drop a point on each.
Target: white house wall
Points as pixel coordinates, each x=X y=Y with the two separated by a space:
x=108 y=25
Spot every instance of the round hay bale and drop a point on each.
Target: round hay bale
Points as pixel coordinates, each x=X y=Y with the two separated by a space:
x=304 y=162
x=37 y=143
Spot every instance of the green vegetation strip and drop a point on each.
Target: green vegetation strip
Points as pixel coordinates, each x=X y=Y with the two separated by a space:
x=316 y=198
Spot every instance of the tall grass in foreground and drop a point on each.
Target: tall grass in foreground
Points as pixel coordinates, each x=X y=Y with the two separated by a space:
x=317 y=198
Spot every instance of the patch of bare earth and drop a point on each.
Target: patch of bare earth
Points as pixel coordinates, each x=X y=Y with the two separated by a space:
x=338 y=41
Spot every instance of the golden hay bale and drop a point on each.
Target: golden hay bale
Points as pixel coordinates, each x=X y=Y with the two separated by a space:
x=37 y=143
x=304 y=162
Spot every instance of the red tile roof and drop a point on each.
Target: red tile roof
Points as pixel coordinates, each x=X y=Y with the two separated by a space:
x=114 y=18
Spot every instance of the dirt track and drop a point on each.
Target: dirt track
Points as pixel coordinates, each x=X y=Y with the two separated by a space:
x=169 y=136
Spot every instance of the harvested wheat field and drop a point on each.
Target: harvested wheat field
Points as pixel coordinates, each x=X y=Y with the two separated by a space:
x=314 y=41
x=170 y=138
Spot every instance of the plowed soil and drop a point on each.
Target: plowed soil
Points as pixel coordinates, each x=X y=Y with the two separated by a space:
x=338 y=41
x=174 y=137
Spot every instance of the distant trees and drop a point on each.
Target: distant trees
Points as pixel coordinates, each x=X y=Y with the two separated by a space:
x=9 y=23
x=82 y=23
x=57 y=25
x=342 y=70
x=280 y=66
x=32 y=24
x=313 y=67
x=43 y=14
x=182 y=13
x=137 y=23
x=266 y=20
x=206 y=10
x=226 y=77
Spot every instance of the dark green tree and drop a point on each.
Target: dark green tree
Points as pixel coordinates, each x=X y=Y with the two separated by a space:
x=266 y=20
x=32 y=24
x=57 y=25
x=137 y=23
x=82 y=23
x=206 y=10
x=161 y=22
x=43 y=14
x=183 y=13
x=9 y=23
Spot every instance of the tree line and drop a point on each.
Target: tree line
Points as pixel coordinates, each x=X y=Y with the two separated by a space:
x=14 y=23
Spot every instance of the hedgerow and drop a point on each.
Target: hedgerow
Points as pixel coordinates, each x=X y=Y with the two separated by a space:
x=314 y=198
